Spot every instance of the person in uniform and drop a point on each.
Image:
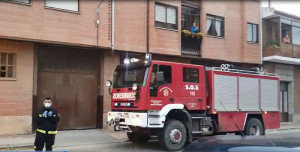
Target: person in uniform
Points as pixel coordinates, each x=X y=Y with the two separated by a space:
x=47 y=120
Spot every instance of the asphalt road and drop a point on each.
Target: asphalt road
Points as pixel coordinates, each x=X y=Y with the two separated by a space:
x=124 y=146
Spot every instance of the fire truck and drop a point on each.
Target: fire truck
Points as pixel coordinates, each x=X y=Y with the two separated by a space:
x=178 y=102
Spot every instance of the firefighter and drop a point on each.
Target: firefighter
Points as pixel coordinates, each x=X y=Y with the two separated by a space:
x=47 y=120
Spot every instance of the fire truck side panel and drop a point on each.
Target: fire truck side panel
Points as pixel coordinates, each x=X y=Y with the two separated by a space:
x=226 y=93
x=269 y=95
x=244 y=90
x=271 y=120
x=228 y=121
x=249 y=94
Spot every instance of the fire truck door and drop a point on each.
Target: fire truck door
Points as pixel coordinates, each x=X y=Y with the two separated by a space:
x=161 y=85
x=190 y=93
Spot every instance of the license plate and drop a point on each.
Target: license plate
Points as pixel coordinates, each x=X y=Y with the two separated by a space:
x=124 y=115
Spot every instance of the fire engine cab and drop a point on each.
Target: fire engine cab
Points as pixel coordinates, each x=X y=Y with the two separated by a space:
x=179 y=102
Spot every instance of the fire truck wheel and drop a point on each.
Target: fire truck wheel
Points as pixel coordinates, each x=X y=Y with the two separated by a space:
x=254 y=127
x=137 y=138
x=173 y=135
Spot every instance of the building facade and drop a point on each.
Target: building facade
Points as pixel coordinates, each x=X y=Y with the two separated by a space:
x=281 y=55
x=66 y=50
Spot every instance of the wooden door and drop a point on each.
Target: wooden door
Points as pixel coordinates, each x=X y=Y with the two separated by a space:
x=69 y=77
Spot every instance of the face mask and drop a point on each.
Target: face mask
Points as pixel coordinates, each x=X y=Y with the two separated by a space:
x=47 y=105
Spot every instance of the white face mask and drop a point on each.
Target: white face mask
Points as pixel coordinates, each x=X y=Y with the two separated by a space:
x=47 y=105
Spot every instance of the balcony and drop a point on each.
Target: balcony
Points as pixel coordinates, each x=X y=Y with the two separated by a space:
x=285 y=50
x=191 y=44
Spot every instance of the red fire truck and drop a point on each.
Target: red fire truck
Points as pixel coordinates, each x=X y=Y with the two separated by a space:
x=179 y=102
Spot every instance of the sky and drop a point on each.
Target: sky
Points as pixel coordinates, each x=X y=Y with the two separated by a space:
x=289 y=6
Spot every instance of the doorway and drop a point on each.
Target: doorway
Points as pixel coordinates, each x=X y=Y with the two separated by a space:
x=69 y=77
x=284 y=101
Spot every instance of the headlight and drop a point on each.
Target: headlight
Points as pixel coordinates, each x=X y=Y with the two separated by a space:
x=117 y=104
x=126 y=61
x=135 y=86
x=129 y=104
x=108 y=83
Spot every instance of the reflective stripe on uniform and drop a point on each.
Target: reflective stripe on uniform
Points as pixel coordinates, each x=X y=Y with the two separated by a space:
x=52 y=146
x=44 y=131
x=34 y=147
x=41 y=131
x=40 y=115
x=52 y=132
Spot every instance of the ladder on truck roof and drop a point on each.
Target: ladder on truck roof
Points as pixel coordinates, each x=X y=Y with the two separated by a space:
x=234 y=69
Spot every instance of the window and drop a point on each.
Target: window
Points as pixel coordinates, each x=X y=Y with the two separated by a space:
x=290 y=31
x=215 y=25
x=252 y=32
x=18 y=1
x=163 y=71
x=165 y=16
x=7 y=65
x=71 y=5
x=296 y=35
x=190 y=75
x=189 y=16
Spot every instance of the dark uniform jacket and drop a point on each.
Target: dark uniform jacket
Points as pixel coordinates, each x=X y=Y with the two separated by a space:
x=48 y=124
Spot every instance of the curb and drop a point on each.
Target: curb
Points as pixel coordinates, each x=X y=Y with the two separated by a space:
x=283 y=129
x=11 y=148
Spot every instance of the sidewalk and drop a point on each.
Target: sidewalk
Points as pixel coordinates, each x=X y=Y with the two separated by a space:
x=289 y=125
x=85 y=137
x=64 y=139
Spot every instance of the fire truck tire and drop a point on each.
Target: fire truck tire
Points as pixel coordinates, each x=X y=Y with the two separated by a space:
x=137 y=138
x=254 y=127
x=173 y=136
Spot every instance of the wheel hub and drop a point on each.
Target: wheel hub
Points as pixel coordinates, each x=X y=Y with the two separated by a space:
x=254 y=131
x=175 y=136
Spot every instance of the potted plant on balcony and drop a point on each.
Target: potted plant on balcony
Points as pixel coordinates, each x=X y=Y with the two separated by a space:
x=272 y=48
x=188 y=33
x=274 y=43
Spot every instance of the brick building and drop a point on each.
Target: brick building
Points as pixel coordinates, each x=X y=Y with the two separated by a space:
x=281 y=54
x=66 y=50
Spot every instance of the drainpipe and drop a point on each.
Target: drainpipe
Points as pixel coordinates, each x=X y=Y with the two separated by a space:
x=261 y=30
x=98 y=21
x=147 y=51
x=112 y=26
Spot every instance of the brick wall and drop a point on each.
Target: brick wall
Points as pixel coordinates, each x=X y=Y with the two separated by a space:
x=16 y=95
x=269 y=67
x=130 y=30
x=34 y=22
x=297 y=89
x=234 y=46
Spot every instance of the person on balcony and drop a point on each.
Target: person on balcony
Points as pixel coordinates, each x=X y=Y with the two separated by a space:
x=286 y=39
x=194 y=28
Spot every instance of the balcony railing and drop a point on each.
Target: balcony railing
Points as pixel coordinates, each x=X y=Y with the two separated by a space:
x=190 y=45
x=286 y=50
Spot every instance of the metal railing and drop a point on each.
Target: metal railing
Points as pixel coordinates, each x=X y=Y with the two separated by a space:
x=190 y=45
x=233 y=69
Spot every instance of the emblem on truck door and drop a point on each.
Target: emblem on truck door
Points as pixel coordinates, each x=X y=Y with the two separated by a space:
x=166 y=90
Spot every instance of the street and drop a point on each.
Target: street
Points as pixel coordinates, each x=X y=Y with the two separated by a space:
x=122 y=146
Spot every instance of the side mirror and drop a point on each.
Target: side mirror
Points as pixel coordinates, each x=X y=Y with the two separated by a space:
x=160 y=76
x=109 y=84
x=135 y=86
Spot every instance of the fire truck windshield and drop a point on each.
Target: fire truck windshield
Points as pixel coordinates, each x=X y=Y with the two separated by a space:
x=126 y=77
